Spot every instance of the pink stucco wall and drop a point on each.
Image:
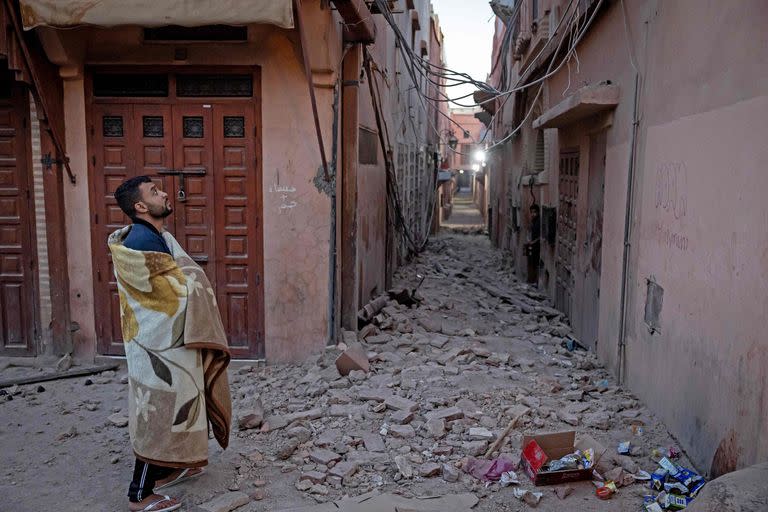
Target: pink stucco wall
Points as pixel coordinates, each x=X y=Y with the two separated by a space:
x=699 y=217
x=699 y=214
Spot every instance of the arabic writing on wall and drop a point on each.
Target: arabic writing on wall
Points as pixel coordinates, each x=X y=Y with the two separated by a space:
x=286 y=199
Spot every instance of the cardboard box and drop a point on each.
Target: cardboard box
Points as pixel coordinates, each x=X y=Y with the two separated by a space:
x=539 y=449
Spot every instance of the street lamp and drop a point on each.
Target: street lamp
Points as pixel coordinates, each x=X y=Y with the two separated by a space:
x=479 y=155
x=452 y=140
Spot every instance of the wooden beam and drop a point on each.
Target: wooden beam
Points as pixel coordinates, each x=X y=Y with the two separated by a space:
x=75 y=372
x=358 y=21
x=349 y=162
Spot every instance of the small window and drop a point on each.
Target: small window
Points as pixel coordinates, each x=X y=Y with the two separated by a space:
x=130 y=85
x=234 y=126
x=538 y=156
x=214 y=86
x=368 y=148
x=152 y=126
x=176 y=33
x=193 y=127
x=112 y=126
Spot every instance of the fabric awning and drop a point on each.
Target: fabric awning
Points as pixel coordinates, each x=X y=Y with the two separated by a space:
x=155 y=13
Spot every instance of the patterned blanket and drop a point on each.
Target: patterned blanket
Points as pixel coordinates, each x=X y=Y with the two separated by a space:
x=177 y=354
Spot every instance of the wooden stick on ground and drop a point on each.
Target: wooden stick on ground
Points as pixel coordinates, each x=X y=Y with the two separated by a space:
x=497 y=444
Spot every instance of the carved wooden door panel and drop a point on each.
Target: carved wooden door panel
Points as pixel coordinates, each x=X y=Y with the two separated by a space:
x=18 y=289
x=193 y=191
x=568 y=190
x=112 y=134
x=128 y=140
x=238 y=228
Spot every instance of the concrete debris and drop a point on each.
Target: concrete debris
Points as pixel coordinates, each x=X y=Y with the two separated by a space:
x=529 y=497
x=252 y=418
x=64 y=364
x=226 y=502
x=354 y=358
x=403 y=466
x=400 y=406
x=118 y=420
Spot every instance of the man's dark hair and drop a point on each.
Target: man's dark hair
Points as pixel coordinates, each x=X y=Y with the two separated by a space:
x=128 y=194
x=535 y=208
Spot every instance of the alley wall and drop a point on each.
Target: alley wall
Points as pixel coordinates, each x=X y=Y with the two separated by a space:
x=698 y=213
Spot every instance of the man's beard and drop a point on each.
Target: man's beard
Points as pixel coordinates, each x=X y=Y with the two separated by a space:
x=160 y=212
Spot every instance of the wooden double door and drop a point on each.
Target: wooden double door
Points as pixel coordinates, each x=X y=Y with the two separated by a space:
x=205 y=156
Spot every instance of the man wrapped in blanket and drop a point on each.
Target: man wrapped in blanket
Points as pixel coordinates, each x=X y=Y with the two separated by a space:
x=175 y=347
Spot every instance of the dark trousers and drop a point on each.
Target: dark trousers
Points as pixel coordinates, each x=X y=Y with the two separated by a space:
x=144 y=477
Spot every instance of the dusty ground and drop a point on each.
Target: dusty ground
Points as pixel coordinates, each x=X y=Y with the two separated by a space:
x=481 y=341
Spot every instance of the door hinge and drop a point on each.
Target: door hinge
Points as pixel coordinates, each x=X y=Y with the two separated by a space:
x=93 y=131
x=93 y=160
x=98 y=275
x=95 y=218
x=255 y=131
x=101 y=330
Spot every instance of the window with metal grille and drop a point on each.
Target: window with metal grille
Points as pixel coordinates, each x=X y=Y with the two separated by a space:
x=214 y=86
x=367 y=151
x=176 y=33
x=538 y=155
x=138 y=85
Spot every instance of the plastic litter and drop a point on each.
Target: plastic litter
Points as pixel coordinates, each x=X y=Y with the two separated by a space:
x=623 y=448
x=509 y=478
x=605 y=492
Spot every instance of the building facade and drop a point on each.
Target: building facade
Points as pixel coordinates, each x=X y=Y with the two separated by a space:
x=639 y=136
x=272 y=196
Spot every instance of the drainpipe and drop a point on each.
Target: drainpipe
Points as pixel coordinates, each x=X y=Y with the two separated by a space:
x=627 y=237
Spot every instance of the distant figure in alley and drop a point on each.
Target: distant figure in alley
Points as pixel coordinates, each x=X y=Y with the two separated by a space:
x=175 y=347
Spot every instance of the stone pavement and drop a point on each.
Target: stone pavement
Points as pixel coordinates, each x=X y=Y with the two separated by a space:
x=445 y=378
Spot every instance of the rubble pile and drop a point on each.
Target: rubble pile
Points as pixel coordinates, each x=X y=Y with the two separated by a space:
x=422 y=391
x=437 y=395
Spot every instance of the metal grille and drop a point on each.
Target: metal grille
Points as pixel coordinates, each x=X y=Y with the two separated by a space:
x=152 y=126
x=568 y=185
x=234 y=127
x=130 y=85
x=193 y=127
x=112 y=126
x=214 y=86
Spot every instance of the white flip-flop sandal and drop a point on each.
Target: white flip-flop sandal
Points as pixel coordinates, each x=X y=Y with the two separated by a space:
x=152 y=507
x=183 y=476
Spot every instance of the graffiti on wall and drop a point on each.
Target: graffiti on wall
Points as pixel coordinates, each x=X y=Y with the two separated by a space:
x=671 y=201
x=286 y=203
x=672 y=188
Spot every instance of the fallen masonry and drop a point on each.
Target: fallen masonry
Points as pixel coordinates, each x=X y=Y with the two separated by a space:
x=440 y=382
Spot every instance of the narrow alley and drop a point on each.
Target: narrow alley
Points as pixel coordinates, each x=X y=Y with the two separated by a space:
x=465 y=214
x=383 y=255
x=446 y=377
